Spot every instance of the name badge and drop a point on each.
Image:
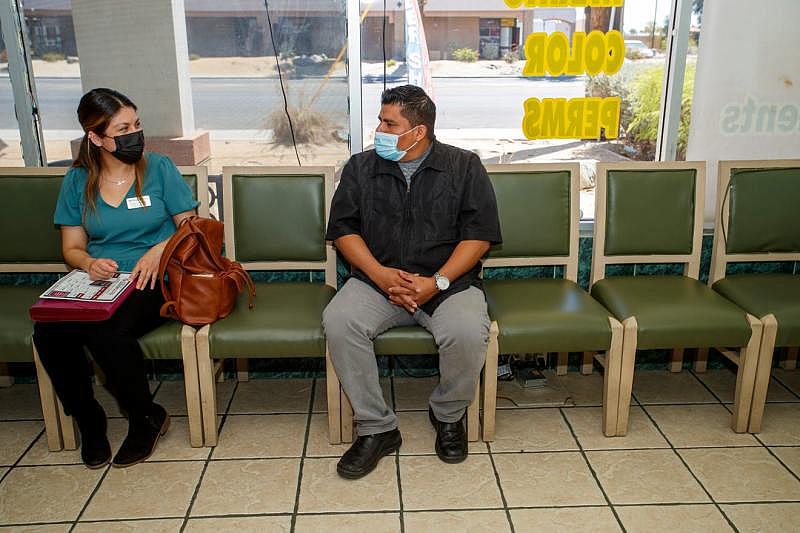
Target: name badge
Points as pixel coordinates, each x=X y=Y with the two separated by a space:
x=134 y=203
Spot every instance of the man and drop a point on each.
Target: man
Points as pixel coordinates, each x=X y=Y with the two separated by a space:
x=413 y=217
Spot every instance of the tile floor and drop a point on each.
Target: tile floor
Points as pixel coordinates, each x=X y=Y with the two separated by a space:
x=550 y=469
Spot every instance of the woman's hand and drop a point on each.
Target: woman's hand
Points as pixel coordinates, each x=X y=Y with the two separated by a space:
x=101 y=269
x=146 y=268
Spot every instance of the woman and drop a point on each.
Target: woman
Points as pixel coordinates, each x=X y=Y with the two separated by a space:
x=117 y=209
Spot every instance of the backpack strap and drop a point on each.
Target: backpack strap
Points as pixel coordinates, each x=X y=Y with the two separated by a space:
x=241 y=278
x=172 y=244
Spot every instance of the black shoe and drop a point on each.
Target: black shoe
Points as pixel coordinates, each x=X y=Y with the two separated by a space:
x=143 y=434
x=366 y=451
x=92 y=424
x=451 y=439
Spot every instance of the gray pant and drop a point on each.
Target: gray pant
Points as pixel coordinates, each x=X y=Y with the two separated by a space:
x=358 y=313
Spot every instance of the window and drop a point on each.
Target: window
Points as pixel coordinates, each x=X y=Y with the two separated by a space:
x=245 y=61
x=10 y=152
x=688 y=79
x=476 y=55
x=241 y=63
x=271 y=86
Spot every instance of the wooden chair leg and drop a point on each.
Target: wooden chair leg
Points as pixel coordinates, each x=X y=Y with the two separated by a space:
x=587 y=363
x=191 y=385
x=562 y=362
x=746 y=377
x=611 y=379
x=490 y=383
x=347 y=417
x=242 y=370
x=789 y=361
x=6 y=379
x=332 y=388
x=629 y=340
x=676 y=360
x=473 y=414
x=208 y=387
x=701 y=360
x=763 y=372
x=49 y=401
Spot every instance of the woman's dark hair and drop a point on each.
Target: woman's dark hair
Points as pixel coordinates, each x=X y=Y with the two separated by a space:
x=415 y=105
x=95 y=111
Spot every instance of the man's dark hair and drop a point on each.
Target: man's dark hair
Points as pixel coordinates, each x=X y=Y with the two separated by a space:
x=415 y=105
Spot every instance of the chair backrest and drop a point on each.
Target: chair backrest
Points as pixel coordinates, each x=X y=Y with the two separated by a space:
x=539 y=213
x=648 y=213
x=757 y=213
x=31 y=242
x=197 y=179
x=276 y=216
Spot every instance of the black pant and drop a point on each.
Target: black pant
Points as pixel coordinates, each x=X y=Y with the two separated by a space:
x=114 y=347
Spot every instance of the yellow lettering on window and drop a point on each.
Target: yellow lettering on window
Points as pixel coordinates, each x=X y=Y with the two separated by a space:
x=557 y=53
x=533 y=116
x=574 y=118
x=578 y=118
x=609 y=116
x=591 y=54
x=594 y=56
x=591 y=118
x=553 y=117
x=615 y=44
x=535 y=46
x=575 y=65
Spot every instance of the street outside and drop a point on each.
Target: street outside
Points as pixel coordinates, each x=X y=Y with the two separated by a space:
x=479 y=107
x=237 y=101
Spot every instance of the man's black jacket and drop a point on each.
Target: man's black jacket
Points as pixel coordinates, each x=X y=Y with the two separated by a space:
x=416 y=228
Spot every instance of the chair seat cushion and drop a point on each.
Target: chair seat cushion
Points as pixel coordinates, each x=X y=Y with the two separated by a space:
x=762 y=294
x=674 y=311
x=164 y=342
x=16 y=327
x=285 y=322
x=548 y=315
x=411 y=340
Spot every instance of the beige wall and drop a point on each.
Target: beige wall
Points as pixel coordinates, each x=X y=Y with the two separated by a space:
x=445 y=34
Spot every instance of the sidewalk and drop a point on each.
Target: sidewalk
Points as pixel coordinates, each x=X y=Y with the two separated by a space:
x=265 y=67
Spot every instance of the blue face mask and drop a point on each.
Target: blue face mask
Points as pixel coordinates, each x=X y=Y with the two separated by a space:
x=386 y=145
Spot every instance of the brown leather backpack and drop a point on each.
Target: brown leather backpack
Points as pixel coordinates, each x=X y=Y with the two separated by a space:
x=203 y=285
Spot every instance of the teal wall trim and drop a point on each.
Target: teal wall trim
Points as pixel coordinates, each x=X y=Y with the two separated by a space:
x=426 y=366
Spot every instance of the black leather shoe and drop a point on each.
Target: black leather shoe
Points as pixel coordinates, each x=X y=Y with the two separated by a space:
x=92 y=424
x=366 y=451
x=451 y=439
x=143 y=434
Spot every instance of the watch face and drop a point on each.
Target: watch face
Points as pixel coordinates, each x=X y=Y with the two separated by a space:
x=442 y=283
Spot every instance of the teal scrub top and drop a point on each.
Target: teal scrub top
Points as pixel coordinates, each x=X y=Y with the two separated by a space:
x=126 y=232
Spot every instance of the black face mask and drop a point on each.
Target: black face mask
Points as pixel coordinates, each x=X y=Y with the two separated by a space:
x=130 y=147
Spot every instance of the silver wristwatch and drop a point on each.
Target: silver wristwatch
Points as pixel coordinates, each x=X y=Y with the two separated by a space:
x=442 y=283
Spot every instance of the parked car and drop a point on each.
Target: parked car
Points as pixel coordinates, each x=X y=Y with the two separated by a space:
x=638 y=48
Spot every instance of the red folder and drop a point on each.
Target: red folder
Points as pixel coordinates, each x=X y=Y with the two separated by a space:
x=52 y=310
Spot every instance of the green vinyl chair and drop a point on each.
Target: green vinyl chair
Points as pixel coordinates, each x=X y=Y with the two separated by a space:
x=757 y=222
x=171 y=341
x=31 y=245
x=653 y=213
x=539 y=215
x=275 y=221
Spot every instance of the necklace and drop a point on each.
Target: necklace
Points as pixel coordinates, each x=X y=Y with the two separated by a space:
x=118 y=183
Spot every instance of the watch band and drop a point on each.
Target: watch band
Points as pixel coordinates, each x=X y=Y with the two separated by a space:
x=442 y=282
